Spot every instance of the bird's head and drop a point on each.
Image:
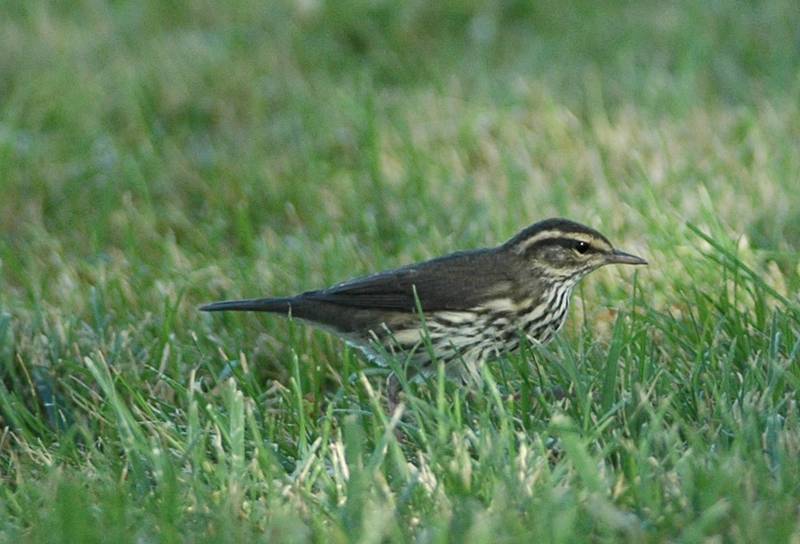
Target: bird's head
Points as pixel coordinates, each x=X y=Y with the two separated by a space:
x=565 y=250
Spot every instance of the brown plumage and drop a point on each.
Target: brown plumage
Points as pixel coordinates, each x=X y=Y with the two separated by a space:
x=477 y=304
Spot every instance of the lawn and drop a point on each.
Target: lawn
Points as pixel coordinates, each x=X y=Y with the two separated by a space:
x=158 y=155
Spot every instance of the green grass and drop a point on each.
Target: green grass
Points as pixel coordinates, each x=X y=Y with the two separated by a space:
x=158 y=155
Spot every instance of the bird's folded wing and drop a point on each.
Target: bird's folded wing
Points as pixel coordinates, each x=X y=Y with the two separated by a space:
x=457 y=282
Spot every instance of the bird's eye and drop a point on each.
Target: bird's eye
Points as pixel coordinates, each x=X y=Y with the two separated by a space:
x=581 y=247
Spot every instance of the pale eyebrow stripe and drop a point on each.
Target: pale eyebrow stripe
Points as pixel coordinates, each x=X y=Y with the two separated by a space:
x=555 y=234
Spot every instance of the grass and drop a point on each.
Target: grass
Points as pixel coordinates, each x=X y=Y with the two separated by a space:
x=158 y=155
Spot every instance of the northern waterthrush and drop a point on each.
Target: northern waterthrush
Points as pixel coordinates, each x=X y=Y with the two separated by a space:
x=461 y=309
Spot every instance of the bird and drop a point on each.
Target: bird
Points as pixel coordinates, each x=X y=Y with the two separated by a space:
x=460 y=310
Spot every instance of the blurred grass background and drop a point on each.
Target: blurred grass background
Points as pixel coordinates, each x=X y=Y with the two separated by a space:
x=155 y=155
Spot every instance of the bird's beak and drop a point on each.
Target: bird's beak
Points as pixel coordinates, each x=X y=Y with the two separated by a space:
x=620 y=257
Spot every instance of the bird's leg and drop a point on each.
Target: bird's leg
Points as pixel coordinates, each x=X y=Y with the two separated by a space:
x=393 y=389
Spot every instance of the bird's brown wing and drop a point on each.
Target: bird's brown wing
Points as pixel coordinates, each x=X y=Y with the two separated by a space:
x=456 y=282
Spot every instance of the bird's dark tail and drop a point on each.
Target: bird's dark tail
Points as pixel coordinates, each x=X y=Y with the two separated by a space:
x=273 y=305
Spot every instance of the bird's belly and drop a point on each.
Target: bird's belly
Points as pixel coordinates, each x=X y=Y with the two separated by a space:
x=462 y=340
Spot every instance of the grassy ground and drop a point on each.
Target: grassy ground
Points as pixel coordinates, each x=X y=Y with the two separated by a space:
x=157 y=155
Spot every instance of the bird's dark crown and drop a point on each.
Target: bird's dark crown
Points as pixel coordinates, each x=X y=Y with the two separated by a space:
x=557 y=231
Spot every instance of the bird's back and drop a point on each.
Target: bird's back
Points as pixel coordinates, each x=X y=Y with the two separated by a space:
x=457 y=282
